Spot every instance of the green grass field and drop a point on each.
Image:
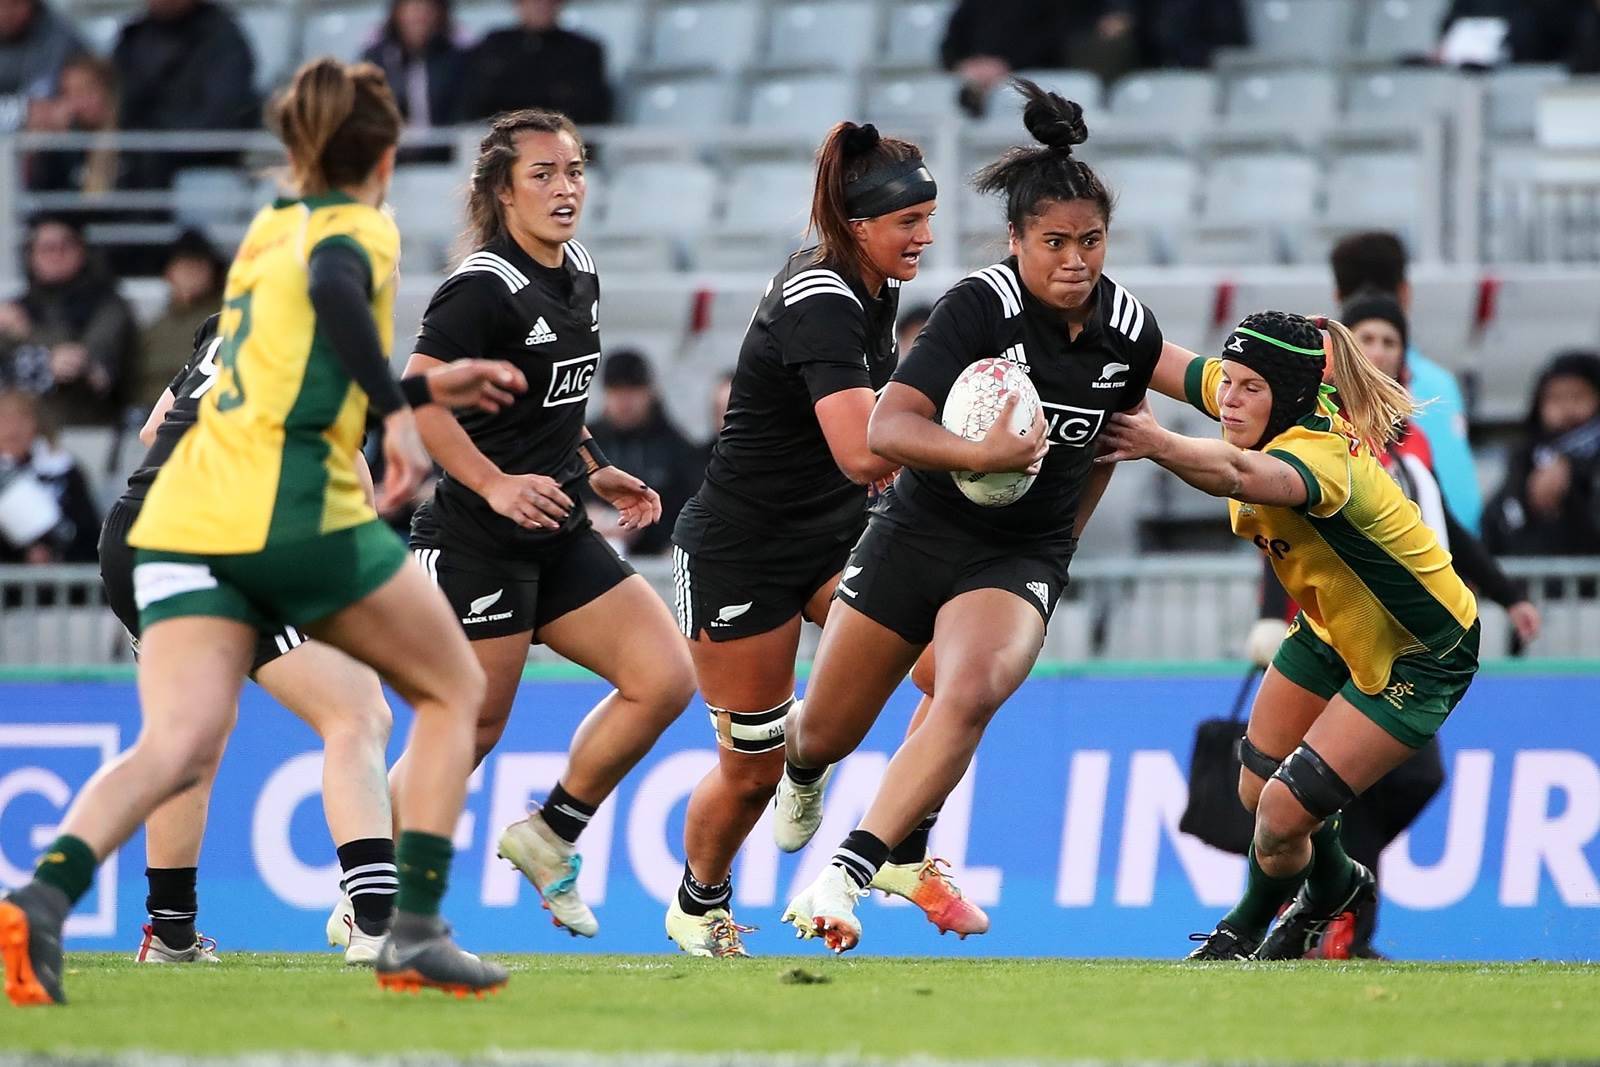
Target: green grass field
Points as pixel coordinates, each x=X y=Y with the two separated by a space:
x=951 y=1010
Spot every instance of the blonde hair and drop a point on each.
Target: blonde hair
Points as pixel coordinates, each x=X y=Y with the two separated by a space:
x=1374 y=404
x=336 y=119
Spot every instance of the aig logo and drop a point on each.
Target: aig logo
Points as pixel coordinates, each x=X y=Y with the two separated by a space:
x=1067 y=425
x=569 y=380
x=42 y=765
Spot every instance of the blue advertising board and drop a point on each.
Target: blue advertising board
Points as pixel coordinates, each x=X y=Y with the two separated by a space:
x=1065 y=830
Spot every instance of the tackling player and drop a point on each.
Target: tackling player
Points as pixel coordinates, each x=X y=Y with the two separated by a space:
x=506 y=536
x=935 y=570
x=1386 y=641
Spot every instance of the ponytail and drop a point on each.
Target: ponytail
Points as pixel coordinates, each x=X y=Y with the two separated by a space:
x=846 y=154
x=336 y=120
x=1373 y=403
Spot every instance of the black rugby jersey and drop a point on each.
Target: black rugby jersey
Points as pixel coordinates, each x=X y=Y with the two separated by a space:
x=816 y=331
x=191 y=383
x=1106 y=368
x=500 y=304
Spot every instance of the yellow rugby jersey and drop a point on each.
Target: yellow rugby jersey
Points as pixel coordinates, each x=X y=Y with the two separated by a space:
x=272 y=458
x=1365 y=569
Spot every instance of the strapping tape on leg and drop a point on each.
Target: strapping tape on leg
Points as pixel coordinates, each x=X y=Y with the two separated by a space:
x=1314 y=784
x=750 y=732
x=1256 y=761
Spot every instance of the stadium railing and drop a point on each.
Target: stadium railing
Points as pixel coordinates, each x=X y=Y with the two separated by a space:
x=1168 y=609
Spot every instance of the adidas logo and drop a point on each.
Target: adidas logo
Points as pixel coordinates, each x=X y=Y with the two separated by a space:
x=1042 y=591
x=541 y=334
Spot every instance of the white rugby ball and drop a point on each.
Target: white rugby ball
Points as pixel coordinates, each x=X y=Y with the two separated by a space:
x=974 y=403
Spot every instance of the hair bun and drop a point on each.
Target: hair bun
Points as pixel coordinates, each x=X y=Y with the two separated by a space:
x=859 y=140
x=1055 y=122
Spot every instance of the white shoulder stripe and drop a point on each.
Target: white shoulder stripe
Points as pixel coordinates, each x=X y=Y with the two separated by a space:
x=489 y=263
x=1127 y=314
x=1138 y=320
x=893 y=283
x=818 y=288
x=999 y=279
x=813 y=275
x=580 y=257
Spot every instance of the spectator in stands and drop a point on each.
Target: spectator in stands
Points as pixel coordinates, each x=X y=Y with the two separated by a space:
x=70 y=338
x=185 y=65
x=1377 y=260
x=537 y=64
x=418 y=55
x=35 y=42
x=1550 y=502
x=85 y=102
x=1486 y=33
x=912 y=320
x=1584 y=55
x=194 y=274
x=637 y=436
x=1187 y=33
x=47 y=512
x=987 y=40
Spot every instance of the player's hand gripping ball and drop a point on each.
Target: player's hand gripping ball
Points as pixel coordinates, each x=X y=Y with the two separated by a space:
x=975 y=401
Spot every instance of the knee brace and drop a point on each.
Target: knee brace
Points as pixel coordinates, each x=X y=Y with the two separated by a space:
x=1314 y=784
x=1256 y=761
x=750 y=732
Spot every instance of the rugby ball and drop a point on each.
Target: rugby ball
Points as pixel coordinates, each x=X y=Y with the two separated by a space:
x=971 y=408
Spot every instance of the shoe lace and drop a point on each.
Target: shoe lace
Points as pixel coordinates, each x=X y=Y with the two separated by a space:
x=725 y=933
x=204 y=943
x=931 y=868
x=567 y=882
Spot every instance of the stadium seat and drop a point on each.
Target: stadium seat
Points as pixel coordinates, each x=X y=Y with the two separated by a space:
x=1404 y=93
x=428 y=202
x=805 y=103
x=912 y=33
x=708 y=35
x=1253 y=204
x=1513 y=98
x=833 y=33
x=206 y=196
x=695 y=103
x=100 y=30
x=660 y=197
x=1320 y=31
x=911 y=100
x=1396 y=29
x=766 y=209
x=271 y=31
x=1538 y=311
x=343 y=32
x=1180 y=102
x=1081 y=86
x=1296 y=99
x=1443 y=306
x=1377 y=190
x=618 y=26
x=1153 y=195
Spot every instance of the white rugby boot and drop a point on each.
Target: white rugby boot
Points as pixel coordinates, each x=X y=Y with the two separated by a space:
x=927 y=886
x=154 y=950
x=797 y=811
x=713 y=935
x=360 y=947
x=827 y=909
x=552 y=866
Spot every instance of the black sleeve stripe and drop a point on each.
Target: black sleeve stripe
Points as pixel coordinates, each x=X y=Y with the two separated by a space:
x=1127 y=314
x=1004 y=283
x=489 y=263
x=581 y=258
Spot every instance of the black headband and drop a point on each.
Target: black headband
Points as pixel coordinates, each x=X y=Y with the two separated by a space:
x=891 y=187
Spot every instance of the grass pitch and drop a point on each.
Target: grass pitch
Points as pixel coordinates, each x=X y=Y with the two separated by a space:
x=631 y=1007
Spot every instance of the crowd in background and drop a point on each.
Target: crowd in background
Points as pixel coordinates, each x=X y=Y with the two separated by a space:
x=72 y=354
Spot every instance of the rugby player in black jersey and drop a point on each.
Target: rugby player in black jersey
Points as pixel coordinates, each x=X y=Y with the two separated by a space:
x=761 y=545
x=506 y=536
x=935 y=570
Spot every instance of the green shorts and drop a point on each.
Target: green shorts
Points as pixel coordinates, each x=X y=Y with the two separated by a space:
x=297 y=583
x=1423 y=689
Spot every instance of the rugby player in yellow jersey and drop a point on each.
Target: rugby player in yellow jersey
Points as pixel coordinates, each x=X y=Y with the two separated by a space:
x=1386 y=641
x=258 y=520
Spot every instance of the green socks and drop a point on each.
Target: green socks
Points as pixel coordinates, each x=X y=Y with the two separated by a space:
x=1331 y=868
x=424 y=862
x=1263 y=896
x=69 y=865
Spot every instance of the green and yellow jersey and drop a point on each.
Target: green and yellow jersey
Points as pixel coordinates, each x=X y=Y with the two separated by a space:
x=1367 y=572
x=271 y=459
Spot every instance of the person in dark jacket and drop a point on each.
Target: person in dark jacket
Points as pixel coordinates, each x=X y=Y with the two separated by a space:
x=418 y=54
x=636 y=435
x=537 y=64
x=70 y=338
x=186 y=65
x=987 y=40
x=35 y=42
x=47 y=512
x=1550 y=502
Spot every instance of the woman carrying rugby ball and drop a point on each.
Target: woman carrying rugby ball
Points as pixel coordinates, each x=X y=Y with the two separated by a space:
x=934 y=568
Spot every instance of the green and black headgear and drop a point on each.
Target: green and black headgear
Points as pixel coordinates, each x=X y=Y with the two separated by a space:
x=1286 y=350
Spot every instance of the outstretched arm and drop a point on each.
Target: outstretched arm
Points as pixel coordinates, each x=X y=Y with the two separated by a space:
x=1212 y=466
x=1170 y=370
